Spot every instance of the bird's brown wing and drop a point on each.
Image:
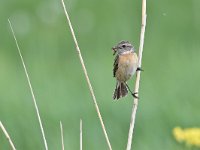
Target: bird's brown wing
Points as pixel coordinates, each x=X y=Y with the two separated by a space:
x=115 y=65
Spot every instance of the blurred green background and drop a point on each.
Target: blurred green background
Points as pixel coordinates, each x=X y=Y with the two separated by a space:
x=169 y=89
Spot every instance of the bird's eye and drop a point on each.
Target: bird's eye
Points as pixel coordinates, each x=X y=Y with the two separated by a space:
x=123 y=46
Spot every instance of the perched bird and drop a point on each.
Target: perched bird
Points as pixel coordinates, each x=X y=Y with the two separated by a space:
x=125 y=65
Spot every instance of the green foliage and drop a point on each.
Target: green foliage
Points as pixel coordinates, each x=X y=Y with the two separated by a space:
x=169 y=91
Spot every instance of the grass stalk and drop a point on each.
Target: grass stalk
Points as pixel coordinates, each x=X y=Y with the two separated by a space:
x=62 y=136
x=86 y=76
x=7 y=136
x=81 y=135
x=30 y=87
x=137 y=82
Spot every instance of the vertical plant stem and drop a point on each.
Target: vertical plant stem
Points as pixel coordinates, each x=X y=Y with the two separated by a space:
x=7 y=136
x=137 y=82
x=86 y=76
x=81 y=135
x=62 y=136
x=30 y=86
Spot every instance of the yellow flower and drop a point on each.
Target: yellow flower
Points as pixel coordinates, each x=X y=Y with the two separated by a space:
x=191 y=136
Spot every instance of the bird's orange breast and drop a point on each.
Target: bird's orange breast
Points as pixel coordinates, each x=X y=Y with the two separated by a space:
x=127 y=66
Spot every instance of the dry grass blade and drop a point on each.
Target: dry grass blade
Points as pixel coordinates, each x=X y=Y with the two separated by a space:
x=81 y=135
x=62 y=136
x=30 y=86
x=7 y=136
x=86 y=76
x=137 y=82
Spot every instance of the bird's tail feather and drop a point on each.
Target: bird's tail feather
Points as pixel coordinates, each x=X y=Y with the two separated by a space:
x=120 y=90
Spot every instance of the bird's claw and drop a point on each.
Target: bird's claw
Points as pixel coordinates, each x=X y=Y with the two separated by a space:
x=135 y=95
x=139 y=69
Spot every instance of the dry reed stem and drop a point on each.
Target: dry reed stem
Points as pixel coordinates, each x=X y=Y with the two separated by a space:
x=62 y=136
x=7 y=136
x=30 y=86
x=81 y=135
x=86 y=76
x=137 y=82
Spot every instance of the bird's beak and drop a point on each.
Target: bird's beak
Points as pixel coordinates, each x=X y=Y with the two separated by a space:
x=114 y=50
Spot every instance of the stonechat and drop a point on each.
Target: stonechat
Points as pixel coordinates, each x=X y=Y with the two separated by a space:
x=125 y=66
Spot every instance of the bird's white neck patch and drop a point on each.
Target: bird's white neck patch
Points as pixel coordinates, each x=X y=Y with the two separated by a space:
x=127 y=52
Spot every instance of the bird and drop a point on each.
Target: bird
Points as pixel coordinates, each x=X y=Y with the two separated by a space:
x=124 y=67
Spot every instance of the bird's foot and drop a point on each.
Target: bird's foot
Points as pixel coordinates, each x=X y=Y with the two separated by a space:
x=135 y=95
x=139 y=69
